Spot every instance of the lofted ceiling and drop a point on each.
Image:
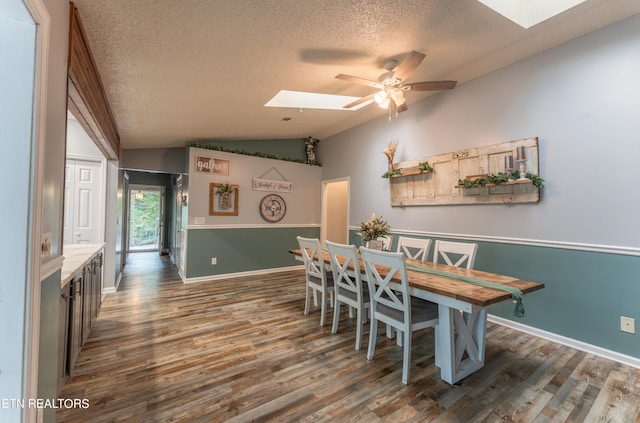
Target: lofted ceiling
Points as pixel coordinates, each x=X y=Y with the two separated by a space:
x=176 y=71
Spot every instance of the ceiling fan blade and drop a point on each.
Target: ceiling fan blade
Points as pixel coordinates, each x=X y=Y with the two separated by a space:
x=403 y=108
x=359 y=101
x=408 y=65
x=358 y=80
x=430 y=86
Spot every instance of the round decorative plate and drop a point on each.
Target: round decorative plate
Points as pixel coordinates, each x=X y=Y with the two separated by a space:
x=272 y=208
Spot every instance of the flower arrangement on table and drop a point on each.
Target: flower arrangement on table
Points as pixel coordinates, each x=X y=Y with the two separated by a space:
x=373 y=228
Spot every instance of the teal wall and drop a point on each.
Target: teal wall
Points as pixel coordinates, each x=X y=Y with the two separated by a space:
x=584 y=296
x=242 y=249
x=48 y=354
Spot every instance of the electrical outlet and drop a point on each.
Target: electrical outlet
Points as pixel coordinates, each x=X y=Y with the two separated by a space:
x=627 y=324
x=214 y=261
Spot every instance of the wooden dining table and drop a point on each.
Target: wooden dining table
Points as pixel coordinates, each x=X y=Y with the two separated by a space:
x=462 y=311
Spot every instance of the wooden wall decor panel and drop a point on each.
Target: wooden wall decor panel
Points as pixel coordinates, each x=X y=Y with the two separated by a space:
x=87 y=99
x=440 y=186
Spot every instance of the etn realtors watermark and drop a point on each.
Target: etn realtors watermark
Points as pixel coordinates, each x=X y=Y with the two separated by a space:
x=44 y=403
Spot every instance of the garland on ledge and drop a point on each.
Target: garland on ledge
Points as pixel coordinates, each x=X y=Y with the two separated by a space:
x=422 y=166
x=397 y=171
x=248 y=153
x=501 y=178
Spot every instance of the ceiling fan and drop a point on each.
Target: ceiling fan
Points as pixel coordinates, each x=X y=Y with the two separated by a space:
x=391 y=86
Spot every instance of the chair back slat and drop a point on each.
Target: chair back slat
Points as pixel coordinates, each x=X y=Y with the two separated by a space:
x=455 y=253
x=312 y=257
x=343 y=258
x=414 y=248
x=379 y=285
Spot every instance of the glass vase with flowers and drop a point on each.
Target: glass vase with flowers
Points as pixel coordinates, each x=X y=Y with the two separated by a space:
x=372 y=229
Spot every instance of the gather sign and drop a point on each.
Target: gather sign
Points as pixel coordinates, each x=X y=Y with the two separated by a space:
x=206 y=164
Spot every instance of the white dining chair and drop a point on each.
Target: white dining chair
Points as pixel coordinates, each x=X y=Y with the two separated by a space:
x=348 y=286
x=455 y=253
x=316 y=276
x=414 y=248
x=391 y=303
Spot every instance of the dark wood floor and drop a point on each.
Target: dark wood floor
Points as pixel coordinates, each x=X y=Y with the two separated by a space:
x=241 y=350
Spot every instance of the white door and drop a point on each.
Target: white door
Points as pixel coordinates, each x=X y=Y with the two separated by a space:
x=83 y=202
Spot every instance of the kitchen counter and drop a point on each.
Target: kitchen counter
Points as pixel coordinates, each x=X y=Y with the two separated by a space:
x=76 y=256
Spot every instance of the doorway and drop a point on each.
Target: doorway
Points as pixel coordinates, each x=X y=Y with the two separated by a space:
x=334 y=224
x=146 y=218
x=83 y=202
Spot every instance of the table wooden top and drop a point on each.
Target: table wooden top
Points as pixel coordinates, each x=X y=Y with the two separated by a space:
x=463 y=291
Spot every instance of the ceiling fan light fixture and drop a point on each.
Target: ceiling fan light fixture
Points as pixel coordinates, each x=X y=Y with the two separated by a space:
x=380 y=97
x=398 y=97
x=391 y=86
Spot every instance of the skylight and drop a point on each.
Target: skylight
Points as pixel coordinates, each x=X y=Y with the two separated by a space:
x=528 y=13
x=302 y=100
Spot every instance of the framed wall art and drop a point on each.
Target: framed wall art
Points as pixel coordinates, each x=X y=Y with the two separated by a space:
x=223 y=199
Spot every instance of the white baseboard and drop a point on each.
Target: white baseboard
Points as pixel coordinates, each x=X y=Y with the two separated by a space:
x=114 y=289
x=239 y=274
x=569 y=342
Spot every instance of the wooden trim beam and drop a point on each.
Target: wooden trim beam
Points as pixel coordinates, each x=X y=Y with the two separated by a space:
x=87 y=99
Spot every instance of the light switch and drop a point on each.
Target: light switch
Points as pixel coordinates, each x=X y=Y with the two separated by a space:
x=46 y=244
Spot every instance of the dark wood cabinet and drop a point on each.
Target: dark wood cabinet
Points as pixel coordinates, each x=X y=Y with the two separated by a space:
x=87 y=299
x=80 y=302
x=63 y=334
x=75 y=320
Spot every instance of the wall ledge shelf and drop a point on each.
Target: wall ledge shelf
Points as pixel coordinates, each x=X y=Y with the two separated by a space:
x=410 y=171
x=515 y=182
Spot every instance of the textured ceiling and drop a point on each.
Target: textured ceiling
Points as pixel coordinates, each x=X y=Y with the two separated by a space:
x=176 y=71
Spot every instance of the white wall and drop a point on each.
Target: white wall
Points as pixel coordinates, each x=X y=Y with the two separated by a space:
x=17 y=38
x=19 y=361
x=303 y=204
x=581 y=99
x=79 y=143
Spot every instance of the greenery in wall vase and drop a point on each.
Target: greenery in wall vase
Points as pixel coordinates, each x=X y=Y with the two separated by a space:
x=226 y=189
